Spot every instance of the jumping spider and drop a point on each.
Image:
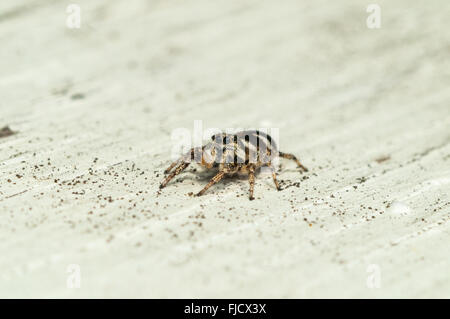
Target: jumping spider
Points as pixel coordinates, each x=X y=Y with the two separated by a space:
x=243 y=152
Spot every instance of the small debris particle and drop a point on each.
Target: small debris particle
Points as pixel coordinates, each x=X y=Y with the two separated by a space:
x=77 y=96
x=6 y=131
x=382 y=159
x=361 y=179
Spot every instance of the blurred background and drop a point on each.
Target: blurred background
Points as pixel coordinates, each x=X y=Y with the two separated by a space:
x=91 y=91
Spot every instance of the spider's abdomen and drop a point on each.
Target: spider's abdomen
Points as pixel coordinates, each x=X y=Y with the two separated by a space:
x=243 y=148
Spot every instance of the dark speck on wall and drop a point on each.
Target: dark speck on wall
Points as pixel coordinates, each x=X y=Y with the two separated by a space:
x=77 y=96
x=6 y=131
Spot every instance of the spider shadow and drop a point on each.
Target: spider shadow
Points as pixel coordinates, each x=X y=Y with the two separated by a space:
x=203 y=176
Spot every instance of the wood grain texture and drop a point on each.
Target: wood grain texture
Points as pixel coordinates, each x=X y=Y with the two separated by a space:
x=367 y=111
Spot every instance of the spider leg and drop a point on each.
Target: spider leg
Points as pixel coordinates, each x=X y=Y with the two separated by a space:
x=172 y=166
x=274 y=176
x=292 y=157
x=177 y=171
x=213 y=180
x=185 y=158
x=251 y=179
x=178 y=161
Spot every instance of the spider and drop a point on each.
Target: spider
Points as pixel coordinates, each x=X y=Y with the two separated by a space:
x=242 y=152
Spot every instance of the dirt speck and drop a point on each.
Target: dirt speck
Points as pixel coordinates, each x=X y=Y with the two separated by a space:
x=382 y=159
x=6 y=131
x=77 y=96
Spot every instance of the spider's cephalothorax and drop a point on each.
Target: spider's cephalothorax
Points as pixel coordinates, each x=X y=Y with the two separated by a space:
x=243 y=152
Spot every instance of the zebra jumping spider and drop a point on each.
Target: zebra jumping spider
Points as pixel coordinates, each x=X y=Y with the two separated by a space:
x=242 y=152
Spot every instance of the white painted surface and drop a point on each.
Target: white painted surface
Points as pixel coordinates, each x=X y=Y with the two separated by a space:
x=366 y=110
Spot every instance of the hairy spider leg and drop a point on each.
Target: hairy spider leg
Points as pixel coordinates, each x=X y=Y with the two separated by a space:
x=292 y=157
x=251 y=179
x=213 y=180
x=188 y=157
x=177 y=171
x=274 y=176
